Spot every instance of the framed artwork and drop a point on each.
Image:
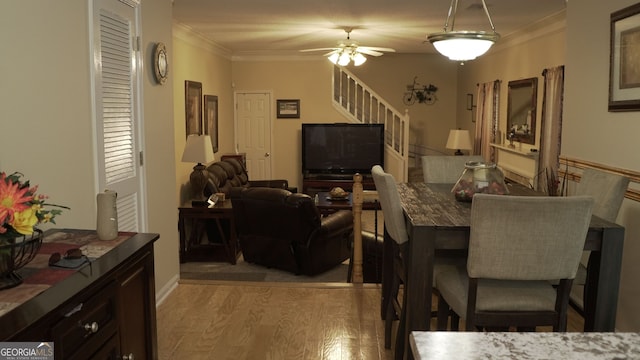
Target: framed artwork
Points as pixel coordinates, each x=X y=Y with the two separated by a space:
x=193 y=107
x=288 y=109
x=211 y=119
x=624 y=68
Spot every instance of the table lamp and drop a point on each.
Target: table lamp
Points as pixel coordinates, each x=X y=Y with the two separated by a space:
x=198 y=149
x=459 y=140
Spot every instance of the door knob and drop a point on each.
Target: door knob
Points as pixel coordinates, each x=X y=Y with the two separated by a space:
x=267 y=154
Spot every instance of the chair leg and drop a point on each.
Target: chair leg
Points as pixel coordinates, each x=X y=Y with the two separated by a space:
x=455 y=320
x=388 y=324
x=443 y=314
x=400 y=335
x=390 y=313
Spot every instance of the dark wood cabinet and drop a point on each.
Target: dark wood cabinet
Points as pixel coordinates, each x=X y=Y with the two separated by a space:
x=136 y=293
x=106 y=310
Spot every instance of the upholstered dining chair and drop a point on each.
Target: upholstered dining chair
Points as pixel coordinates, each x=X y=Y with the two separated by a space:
x=607 y=190
x=517 y=246
x=445 y=169
x=395 y=232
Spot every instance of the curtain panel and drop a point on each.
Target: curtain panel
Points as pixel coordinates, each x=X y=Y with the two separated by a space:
x=551 y=130
x=487 y=119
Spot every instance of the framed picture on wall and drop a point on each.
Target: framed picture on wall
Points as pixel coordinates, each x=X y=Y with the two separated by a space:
x=624 y=72
x=193 y=107
x=288 y=108
x=211 y=119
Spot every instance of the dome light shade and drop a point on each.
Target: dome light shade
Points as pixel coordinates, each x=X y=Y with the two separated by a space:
x=334 y=57
x=359 y=59
x=344 y=59
x=463 y=45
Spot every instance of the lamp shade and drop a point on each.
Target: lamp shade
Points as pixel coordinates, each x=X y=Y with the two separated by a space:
x=459 y=140
x=198 y=149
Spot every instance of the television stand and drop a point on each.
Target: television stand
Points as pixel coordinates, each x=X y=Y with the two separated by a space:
x=314 y=183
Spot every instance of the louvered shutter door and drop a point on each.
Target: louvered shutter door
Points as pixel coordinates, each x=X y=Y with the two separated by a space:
x=115 y=112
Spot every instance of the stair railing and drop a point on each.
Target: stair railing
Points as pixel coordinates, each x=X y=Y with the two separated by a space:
x=359 y=103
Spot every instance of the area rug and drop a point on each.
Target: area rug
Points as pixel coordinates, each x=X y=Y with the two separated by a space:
x=243 y=271
x=202 y=272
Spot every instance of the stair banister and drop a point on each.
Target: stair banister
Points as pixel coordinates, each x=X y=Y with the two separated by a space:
x=360 y=104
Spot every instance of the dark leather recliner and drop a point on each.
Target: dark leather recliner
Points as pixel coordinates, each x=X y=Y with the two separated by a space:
x=284 y=230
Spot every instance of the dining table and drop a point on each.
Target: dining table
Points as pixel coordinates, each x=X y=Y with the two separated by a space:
x=436 y=220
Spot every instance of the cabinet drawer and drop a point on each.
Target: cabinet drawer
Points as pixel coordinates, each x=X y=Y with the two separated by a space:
x=87 y=324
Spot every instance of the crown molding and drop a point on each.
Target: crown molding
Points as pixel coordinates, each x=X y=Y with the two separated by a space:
x=191 y=37
x=547 y=26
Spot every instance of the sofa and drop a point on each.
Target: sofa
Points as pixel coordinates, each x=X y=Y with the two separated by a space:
x=280 y=229
x=229 y=173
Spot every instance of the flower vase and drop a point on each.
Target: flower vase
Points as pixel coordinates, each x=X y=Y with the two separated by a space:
x=16 y=253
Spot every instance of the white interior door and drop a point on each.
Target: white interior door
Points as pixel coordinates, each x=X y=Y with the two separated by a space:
x=253 y=132
x=117 y=107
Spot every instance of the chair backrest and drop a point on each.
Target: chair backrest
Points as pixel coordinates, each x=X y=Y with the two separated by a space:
x=272 y=213
x=390 y=202
x=607 y=190
x=445 y=169
x=527 y=237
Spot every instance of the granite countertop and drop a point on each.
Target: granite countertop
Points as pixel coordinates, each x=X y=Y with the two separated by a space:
x=438 y=345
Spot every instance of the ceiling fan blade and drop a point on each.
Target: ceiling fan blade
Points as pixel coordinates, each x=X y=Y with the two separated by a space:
x=377 y=48
x=319 y=49
x=369 y=52
x=331 y=52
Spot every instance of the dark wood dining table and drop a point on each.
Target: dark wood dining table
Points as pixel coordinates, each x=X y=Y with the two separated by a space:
x=436 y=220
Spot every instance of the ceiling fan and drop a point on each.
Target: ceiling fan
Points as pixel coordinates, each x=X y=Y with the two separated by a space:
x=349 y=50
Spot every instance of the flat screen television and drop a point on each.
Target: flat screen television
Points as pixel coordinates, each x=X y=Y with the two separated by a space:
x=341 y=148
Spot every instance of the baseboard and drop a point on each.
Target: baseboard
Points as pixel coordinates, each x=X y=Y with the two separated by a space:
x=167 y=289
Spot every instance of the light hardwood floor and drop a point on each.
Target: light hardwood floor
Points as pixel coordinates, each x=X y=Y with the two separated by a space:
x=280 y=321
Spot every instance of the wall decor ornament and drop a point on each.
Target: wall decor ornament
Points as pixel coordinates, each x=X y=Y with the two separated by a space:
x=160 y=63
x=424 y=94
x=211 y=119
x=288 y=108
x=624 y=73
x=193 y=107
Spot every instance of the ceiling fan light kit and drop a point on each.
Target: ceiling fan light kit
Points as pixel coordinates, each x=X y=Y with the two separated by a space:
x=349 y=51
x=463 y=45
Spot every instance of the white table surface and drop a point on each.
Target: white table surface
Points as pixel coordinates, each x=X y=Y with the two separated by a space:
x=437 y=345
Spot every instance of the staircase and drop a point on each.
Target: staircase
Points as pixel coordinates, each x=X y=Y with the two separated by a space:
x=357 y=102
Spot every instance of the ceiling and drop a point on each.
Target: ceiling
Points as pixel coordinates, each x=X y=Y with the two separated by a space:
x=258 y=27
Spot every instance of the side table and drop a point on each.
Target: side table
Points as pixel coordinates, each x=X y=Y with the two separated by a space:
x=196 y=243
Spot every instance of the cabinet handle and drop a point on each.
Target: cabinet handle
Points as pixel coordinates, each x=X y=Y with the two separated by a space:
x=127 y=357
x=92 y=328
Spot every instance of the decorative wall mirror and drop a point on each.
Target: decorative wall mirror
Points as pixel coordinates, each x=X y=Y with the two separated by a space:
x=521 y=110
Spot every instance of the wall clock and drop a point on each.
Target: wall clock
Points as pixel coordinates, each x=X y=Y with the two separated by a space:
x=160 y=63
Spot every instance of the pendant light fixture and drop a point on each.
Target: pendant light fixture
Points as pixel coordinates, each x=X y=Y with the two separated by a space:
x=463 y=45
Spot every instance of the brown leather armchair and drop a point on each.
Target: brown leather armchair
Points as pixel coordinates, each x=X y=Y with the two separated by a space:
x=284 y=230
